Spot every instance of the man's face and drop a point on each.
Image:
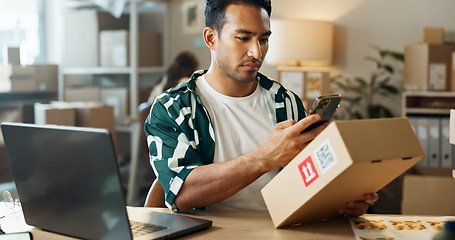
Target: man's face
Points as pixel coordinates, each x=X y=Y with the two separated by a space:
x=243 y=42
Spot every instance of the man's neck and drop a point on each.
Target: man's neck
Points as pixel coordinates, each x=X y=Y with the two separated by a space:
x=228 y=86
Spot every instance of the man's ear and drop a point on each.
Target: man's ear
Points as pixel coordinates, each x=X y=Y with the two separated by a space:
x=210 y=36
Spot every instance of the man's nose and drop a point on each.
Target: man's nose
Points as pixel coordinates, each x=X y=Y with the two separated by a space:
x=255 y=50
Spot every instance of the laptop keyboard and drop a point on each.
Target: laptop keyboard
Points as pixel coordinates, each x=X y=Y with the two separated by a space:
x=140 y=228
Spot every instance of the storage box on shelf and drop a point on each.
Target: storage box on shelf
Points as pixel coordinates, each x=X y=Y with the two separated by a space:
x=23 y=78
x=115 y=49
x=428 y=67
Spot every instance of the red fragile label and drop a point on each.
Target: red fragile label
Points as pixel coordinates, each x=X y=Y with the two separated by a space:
x=308 y=171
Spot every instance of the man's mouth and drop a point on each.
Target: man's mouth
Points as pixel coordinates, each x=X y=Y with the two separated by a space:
x=251 y=66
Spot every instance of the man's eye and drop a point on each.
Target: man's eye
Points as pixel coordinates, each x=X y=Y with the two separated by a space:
x=265 y=40
x=243 y=38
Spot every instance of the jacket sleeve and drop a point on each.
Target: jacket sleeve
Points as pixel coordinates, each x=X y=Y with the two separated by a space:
x=172 y=155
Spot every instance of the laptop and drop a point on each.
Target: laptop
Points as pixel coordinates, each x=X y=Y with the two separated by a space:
x=68 y=182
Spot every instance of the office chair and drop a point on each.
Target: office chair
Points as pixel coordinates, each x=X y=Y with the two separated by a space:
x=155 y=196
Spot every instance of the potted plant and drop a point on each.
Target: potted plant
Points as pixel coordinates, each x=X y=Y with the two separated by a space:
x=359 y=94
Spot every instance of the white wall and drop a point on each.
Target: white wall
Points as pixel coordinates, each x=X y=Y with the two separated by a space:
x=359 y=24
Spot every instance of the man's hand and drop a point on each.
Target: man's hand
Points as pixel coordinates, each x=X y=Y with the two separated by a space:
x=286 y=141
x=357 y=208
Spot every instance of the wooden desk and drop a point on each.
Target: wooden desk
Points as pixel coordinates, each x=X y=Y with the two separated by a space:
x=245 y=225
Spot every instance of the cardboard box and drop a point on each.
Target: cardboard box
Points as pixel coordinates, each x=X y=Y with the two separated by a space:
x=82 y=114
x=17 y=78
x=118 y=98
x=28 y=77
x=23 y=84
x=52 y=114
x=428 y=67
x=11 y=55
x=429 y=191
x=452 y=126
x=83 y=51
x=344 y=162
x=432 y=35
x=46 y=76
x=89 y=94
x=95 y=115
x=115 y=48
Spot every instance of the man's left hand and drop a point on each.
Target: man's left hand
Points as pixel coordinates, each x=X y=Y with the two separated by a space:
x=357 y=208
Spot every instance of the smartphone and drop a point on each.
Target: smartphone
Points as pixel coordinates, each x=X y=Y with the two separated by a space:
x=16 y=236
x=325 y=106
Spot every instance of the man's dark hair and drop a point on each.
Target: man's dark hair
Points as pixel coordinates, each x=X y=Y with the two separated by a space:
x=215 y=10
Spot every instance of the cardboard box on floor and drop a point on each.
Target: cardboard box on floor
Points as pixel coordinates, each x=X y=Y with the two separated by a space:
x=344 y=162
x=429 y=191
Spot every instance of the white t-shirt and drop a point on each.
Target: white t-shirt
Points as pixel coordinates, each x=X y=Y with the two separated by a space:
x=241 y=124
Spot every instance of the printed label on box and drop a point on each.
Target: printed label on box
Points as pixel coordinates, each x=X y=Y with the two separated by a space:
x=308 y=171
x=325 y=156
x=437 y=76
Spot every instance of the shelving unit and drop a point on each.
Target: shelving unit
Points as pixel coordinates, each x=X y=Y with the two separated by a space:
x=133 y=127
x=427 y=103
x=428 y=113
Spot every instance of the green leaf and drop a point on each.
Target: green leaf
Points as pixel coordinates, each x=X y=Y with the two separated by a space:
x=341 y=86
x=397 y=56
x=379 y=111
x=361 y=81
x=390 y=89
x=388 y=68
x=385 y=81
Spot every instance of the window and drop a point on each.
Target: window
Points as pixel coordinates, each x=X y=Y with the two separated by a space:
x=22 y=25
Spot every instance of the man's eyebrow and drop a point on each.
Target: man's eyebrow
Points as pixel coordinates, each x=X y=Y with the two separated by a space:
x=268 y=33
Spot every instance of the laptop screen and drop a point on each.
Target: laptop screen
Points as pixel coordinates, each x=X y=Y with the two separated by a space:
x=67 y=179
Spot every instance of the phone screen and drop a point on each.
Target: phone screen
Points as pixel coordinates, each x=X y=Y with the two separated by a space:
x=325 y=106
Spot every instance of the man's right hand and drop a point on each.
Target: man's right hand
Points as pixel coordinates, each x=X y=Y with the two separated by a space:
x=286 y=141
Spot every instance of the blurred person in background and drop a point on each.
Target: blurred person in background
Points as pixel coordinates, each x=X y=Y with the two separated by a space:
x=179 y=71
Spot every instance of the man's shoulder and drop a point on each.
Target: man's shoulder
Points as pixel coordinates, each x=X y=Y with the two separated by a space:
x=181 y=94
x=271 y=85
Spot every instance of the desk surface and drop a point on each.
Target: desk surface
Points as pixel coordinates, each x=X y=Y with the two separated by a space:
x=245 y=225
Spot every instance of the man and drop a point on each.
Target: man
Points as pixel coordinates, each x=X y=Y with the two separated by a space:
x=220 y=137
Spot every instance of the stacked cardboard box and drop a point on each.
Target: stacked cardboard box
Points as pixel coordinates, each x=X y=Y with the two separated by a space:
x=428 y=65
x=115 y=48
x=115 y=97
x=57 y=114
x=15 y=77
x=83 y=52
x=82 y=114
